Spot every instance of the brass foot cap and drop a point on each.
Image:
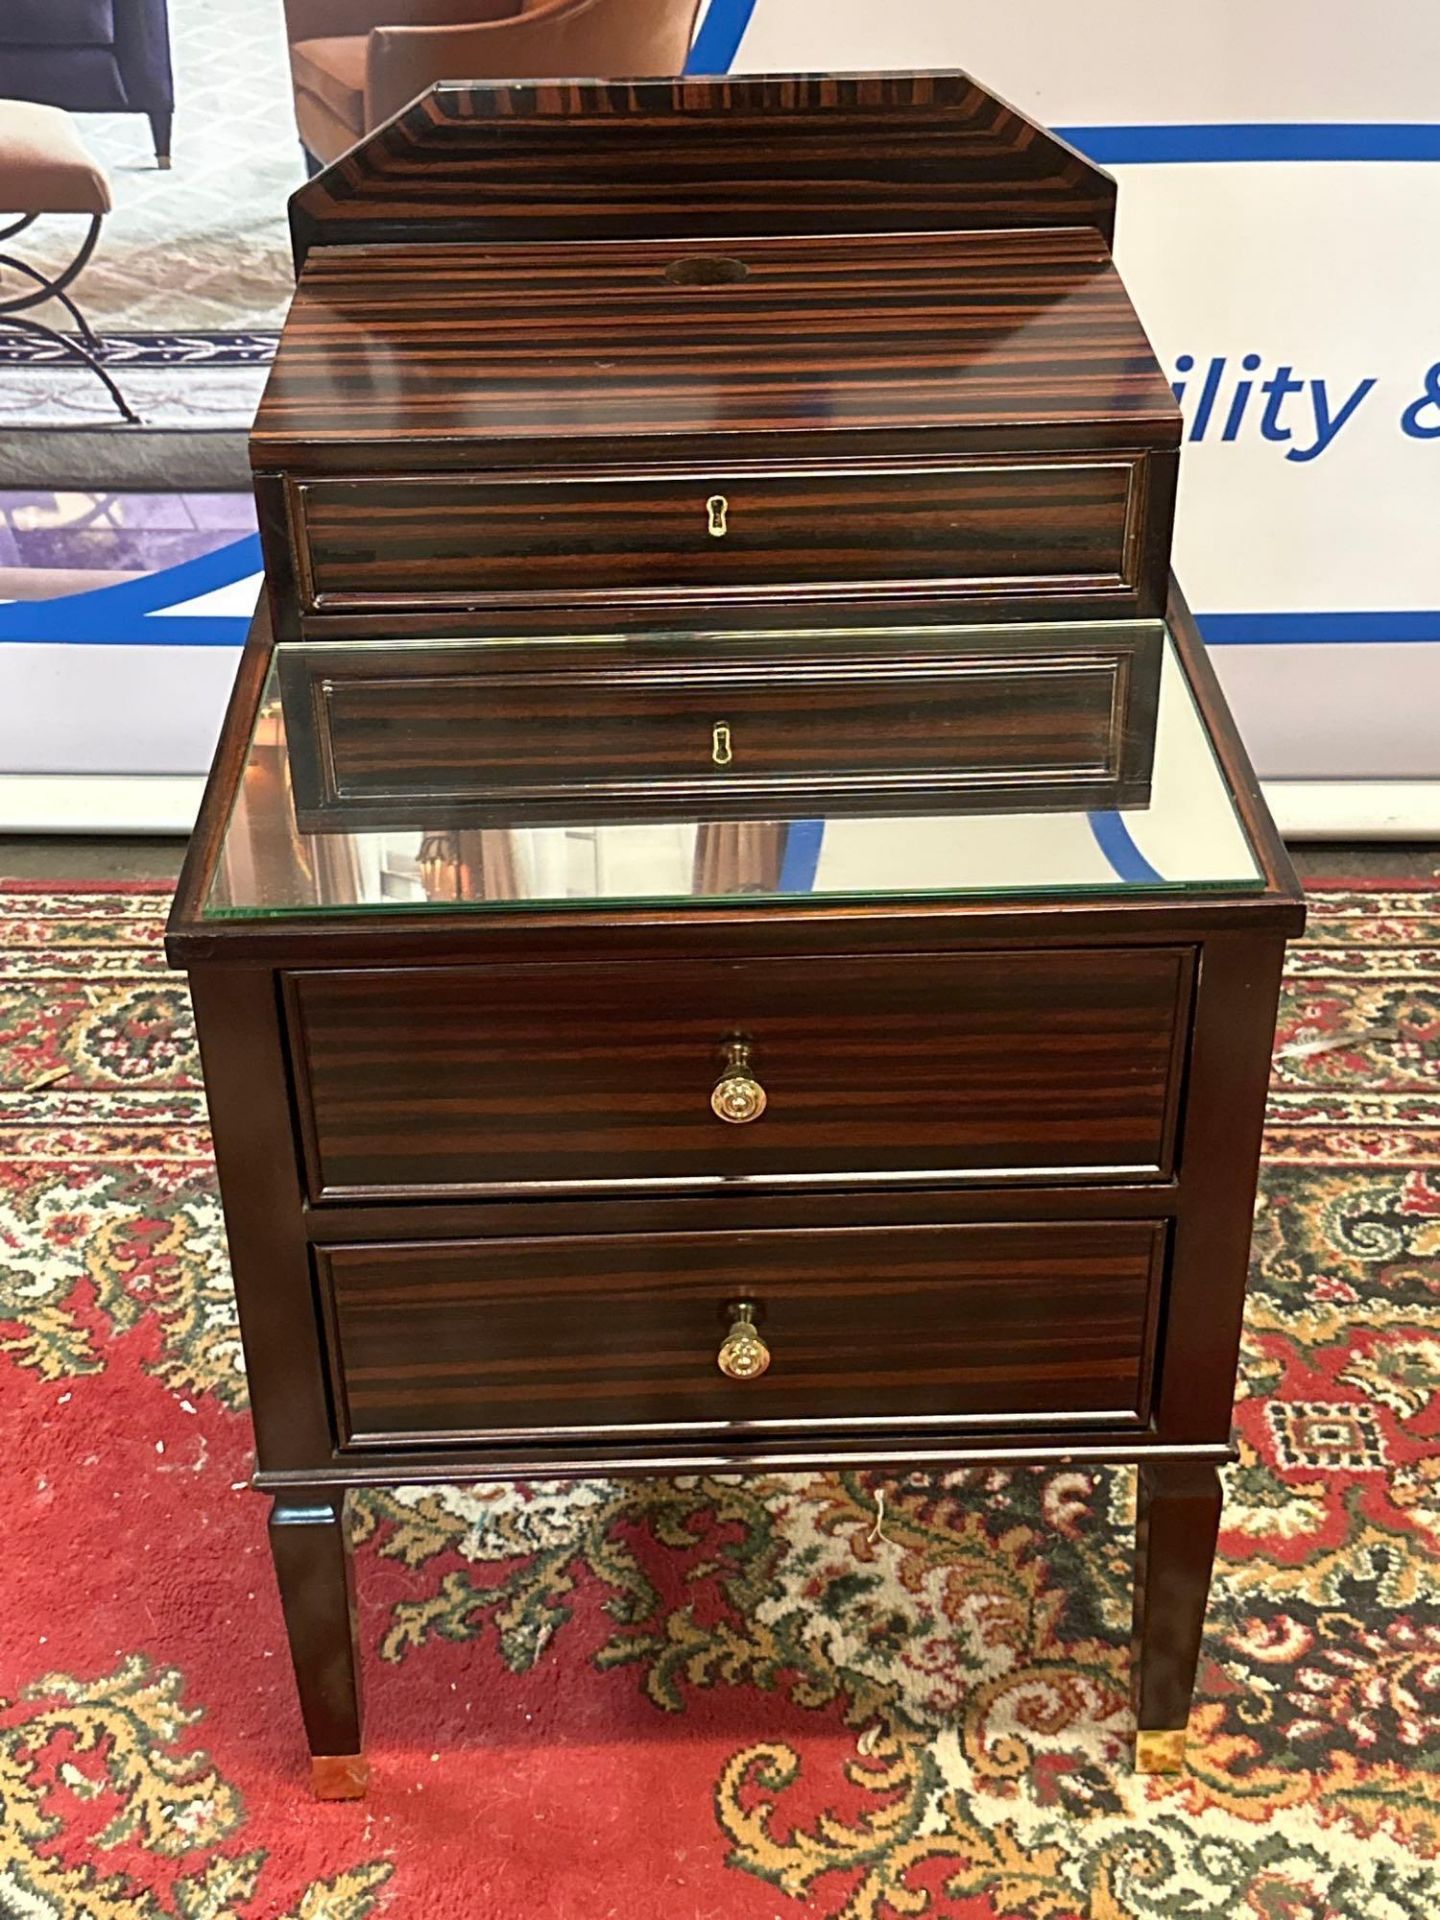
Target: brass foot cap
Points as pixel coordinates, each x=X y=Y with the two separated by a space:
x=339 y=1776
x=1160 y=1752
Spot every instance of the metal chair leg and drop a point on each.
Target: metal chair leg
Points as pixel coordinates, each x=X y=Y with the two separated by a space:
x=53 y=287
x=48 y=286
x=49 y=290
x=81 y=352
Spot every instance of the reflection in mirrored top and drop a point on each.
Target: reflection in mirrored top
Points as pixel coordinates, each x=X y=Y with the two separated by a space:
x=1185 y=837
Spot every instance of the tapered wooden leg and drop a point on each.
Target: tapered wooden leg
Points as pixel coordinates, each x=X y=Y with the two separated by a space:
x=317 y=1592
x=1177 y=1521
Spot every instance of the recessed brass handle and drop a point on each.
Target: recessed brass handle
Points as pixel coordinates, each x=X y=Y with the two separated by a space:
x=743 y=1354
x=737 y=1096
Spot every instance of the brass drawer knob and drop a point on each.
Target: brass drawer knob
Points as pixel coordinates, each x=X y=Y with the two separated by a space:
x=737 y=1096
x=743 y=1354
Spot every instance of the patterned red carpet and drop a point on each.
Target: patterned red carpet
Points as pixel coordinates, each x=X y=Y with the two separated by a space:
x=706 y=1699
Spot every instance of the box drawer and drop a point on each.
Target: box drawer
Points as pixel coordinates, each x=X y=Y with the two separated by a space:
x=1067 y=523
x=720 y=726
x=996 y=1066
x=609 y=1334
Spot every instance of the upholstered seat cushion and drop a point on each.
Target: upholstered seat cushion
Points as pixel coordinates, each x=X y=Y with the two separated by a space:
x=43 y=167
x=334 y=71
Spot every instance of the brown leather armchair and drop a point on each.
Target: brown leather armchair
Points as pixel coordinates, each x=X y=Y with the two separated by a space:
x=348 y=81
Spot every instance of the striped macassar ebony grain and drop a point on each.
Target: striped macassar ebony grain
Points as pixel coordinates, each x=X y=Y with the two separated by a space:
x=513 y=734
x=577 y=160
x=997 y=1065
x=505 y=346
x=574 y=1078
x=615 y=1331
x=1066 y=525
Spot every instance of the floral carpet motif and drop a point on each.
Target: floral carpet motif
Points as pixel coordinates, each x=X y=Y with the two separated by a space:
x=848 y=1697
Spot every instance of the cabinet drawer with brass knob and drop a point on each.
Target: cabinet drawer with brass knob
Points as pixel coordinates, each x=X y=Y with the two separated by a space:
x=979 y=1067
x=613 y=1334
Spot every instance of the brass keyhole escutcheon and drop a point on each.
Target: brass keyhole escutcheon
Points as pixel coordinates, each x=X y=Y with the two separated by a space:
x=717 y=507
x=721 y=751
x=743 y=1353
x=737 y=1095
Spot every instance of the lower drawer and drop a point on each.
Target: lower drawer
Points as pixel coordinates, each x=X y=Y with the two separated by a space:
x=867 y=1328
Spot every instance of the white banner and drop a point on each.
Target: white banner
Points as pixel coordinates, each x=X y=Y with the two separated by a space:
x=1130 y=62
x=1295 y=302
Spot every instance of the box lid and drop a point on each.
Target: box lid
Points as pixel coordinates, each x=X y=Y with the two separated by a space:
x=585 y=350
x=565 y=270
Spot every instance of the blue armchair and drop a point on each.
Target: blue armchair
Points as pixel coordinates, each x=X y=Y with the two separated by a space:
x=91 y=56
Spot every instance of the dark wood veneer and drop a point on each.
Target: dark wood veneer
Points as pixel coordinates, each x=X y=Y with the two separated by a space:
x=737 y=929
x=609 y=1335
x=964 y=1067
x=1064 y=524
x=511 y=734
x=574 y=347
x=1015 y=359
x=812 y=153
x=481 y=1219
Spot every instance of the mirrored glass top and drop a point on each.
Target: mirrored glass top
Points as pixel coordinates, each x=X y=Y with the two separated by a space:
x=1184 y=837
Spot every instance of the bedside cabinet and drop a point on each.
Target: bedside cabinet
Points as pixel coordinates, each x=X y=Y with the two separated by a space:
x=730 y=927
x=901 y=1142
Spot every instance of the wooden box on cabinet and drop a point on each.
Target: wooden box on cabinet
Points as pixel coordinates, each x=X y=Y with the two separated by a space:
x=650 y=360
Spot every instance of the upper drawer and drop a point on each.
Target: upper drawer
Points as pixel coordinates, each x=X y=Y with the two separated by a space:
x=1057 y=523
x=1012 y=1066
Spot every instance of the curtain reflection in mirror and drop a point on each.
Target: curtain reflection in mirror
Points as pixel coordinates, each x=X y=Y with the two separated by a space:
x=477 y=864
x=739 y=856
